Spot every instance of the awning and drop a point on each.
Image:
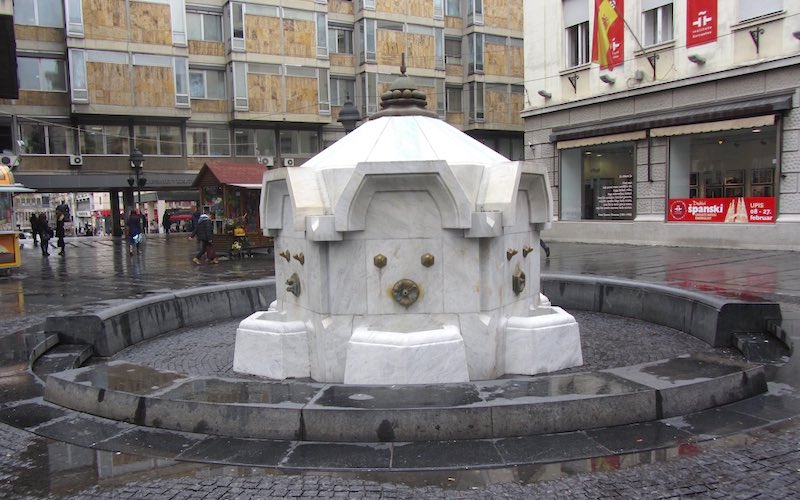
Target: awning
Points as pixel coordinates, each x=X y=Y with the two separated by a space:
x=15 y=188
x=247 y=186
x=601 y=139
x=741 y=108
x=700 y=128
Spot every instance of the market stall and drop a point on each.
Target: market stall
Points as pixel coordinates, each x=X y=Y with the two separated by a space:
x=10 y=255
x=230 y=194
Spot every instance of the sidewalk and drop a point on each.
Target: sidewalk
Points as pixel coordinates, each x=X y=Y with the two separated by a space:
x=97 y=271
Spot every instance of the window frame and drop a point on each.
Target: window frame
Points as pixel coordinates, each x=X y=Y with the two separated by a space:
x=47 y=139
x=55 y=7
x=334 y=38
x=121 y=134
x=203 y=35
x=578 y=50
x=40 y=77
x=204 y=73
x=656 y=22
x=209 y=141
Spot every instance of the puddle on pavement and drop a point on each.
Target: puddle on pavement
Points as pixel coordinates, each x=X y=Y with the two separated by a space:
x=127 y=377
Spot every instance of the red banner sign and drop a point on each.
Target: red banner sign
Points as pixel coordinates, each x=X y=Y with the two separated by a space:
x=701 y=22
x=730 y=210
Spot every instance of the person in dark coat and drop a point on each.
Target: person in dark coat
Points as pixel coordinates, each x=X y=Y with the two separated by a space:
x=166 y=222
x=61 y=231
x=34 y=227
x=204 y=231
x=133 y=229
x=45 y=233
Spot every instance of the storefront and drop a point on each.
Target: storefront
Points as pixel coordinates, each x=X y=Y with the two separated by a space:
x=230 y=193
x=681 y=177
x=10 y=255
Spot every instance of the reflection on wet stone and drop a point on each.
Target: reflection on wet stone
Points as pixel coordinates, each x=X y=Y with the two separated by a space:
x=126 y=377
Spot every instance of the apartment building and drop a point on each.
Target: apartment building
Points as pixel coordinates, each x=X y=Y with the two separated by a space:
x=667 y=121
x=188 y=81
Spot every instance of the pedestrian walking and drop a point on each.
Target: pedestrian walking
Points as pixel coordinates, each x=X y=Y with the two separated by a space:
x=204 y=231
x=34 y=227
x=45 y=233
x=61 y=231
x=133 y=228
x=166 y=222
x=545 y=248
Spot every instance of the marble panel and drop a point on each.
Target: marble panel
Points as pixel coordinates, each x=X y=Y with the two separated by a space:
x=308 y=195
x=269 y=345
x=347 y=276
x=404 y=262
x=546 y=341
x=469 y=177
x=322 y=228
x=461 y=280
x=411 y=214
x=285 y=269
x=431 y=356
x=327 y=351
x=493 y=260
x=314 y=276
x=485 y=225
x=481 y=340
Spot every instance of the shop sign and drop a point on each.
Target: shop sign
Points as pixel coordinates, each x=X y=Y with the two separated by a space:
x=731 y=210
x=701 y=22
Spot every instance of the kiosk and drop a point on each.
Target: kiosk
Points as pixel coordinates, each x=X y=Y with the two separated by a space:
x=10 y=255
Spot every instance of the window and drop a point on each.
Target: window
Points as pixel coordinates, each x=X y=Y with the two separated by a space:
x=208 y=142
x=341 y=90
x=207 y=84
x=452 y=50
x=452 y=8
x=439 y=47
x=750 y=9
x=177 y=10
x=46 y=13
x=254 y=142
x=322 y=35
x=576 y=23
x=299 y=142
x=323 y=88
x=240 y=100
x=367 y=41
x=155 y=140
x=475 y=42
x=476 y=112
x=38 y=139
x=104 y=140
x=474 y=12
x=340 y=39
x=237 y=26
x=453 y=98
x=181 y=65
x=77 y=65
x=47 y=75
x=204 y=26
x=438 y=9
x=74 y=17
x=657 y=23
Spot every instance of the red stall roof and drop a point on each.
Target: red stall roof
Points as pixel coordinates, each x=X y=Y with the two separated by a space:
x=231 y=173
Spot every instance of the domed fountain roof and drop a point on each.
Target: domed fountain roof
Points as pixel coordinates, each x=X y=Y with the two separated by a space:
x=404 y=131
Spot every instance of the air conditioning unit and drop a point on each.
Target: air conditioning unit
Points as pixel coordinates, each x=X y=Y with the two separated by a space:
x=9 y=161
x=75 y=160
x=267 y=161
x=288 y=162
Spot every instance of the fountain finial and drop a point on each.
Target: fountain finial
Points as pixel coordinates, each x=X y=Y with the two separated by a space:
x=403 y=98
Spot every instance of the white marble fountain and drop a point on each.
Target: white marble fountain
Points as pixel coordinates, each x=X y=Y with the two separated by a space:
x=406 y=253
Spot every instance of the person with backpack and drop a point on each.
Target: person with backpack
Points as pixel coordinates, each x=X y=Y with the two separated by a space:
x=204 y=231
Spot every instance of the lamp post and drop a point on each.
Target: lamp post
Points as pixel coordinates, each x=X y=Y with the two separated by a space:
x=349 y=115
x=137 y=160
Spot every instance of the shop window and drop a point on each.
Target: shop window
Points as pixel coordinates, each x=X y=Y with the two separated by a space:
x=155 y=140
x=597 y=182
x=104 y=140
x=717 y=175
x=47 y=75
x=204 y=26
x=254 y=142
x=299 y=142
x=208 y=142
x=656 y=22
x=41 y=139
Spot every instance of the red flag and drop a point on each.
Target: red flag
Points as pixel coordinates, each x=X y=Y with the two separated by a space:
x=609 y=32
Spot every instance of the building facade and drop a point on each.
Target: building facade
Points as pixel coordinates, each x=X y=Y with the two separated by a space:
x=185 y=81
x=667 y=121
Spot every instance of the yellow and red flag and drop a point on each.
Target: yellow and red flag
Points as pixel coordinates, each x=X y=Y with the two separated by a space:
x=609 y=33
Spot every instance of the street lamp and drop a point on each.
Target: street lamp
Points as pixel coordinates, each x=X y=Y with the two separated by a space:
x=137 y=160
x=349 y=115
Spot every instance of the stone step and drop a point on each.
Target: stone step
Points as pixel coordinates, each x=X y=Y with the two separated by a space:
x=761 y=348
x=62 y=357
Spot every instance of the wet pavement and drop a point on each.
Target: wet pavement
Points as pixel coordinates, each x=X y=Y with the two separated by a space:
x=650 y=461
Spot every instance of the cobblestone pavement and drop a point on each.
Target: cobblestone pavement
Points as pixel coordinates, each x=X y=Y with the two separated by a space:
x=764 y=463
